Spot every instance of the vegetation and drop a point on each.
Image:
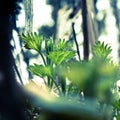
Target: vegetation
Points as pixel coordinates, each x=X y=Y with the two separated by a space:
x=85 y=89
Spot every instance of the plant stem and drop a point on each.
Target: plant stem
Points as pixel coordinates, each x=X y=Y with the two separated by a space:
x=48 y=78
x=57 y=86
x=44 y=82
x=43 y=58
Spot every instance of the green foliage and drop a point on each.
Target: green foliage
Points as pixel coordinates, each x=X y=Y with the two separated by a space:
x=49 y=43
x=101 y=50
x=60 y=52
x=59 y=57
x=32 y=41
x=118 y=117
x=62 y=109
x=62 y=45
x=55 y=54
x=41 y=71
x=95 y=78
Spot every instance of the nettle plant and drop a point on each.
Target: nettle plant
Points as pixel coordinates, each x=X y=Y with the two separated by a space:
x=52 y=54
x=81 y=81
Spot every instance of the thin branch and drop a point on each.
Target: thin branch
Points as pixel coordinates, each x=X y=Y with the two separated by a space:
x=76 y=43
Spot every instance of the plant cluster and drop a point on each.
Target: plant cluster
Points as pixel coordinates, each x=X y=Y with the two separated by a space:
x=79 y=84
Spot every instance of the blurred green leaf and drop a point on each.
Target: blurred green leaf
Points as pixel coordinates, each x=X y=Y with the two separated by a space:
x=116 y=104
x=64 y=109
x=98 y=78
x=118 y=117
x=79 y=73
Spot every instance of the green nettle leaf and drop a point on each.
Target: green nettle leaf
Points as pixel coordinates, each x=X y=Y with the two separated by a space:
x=101 y=50
x=58 y=57
x=41 y=70
x=32 y=41
x=62 y=45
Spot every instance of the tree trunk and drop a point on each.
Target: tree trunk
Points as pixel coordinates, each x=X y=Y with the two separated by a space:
x=85 y=29
x=28 y=4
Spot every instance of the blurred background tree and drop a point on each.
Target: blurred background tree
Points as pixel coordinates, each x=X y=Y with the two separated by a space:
x=94 y=20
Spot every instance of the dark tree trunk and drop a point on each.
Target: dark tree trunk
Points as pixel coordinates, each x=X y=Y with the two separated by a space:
x=85 y=29
x=10 y=105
